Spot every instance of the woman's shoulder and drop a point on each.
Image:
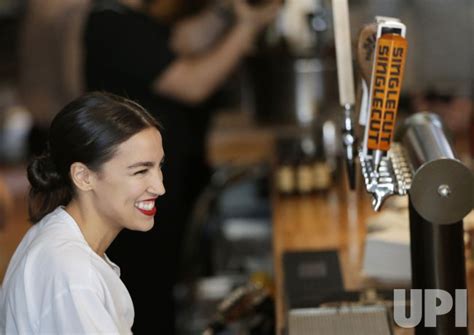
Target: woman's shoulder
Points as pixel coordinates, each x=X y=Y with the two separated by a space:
x=56 y=228
x=59 y=247
x=51 y=260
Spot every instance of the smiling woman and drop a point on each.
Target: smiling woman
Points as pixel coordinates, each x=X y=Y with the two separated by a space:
x=122 y=193
x=101 y=173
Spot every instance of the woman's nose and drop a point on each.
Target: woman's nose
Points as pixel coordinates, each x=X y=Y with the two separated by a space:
x=157 y=186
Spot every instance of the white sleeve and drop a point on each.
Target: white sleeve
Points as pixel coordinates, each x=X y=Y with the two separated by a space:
x=78 y=311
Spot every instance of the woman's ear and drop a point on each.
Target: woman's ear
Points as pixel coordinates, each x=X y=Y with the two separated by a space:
x=81 y=176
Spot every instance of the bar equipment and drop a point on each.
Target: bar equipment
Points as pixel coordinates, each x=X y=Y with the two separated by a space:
x=440 y=196
x=387 y=76
x=346 y=82
x=420 y=163
x=384 y=171
x=382 y=178
x=289 y=80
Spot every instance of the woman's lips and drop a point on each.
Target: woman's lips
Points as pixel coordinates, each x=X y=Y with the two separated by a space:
x=147 y=207
x=150 y=212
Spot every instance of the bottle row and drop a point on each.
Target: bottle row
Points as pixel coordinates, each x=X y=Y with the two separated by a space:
x=303 y=178
x=302 y=168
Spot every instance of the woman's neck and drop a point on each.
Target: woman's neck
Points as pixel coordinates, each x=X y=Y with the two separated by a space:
x=96 y=233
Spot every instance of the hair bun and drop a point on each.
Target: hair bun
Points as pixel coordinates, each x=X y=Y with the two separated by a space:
x=42 y=174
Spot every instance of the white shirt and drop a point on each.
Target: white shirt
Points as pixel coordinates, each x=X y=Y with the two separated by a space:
x=56 y=284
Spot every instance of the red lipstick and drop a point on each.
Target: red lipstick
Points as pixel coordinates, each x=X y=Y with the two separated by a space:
x=151 y=212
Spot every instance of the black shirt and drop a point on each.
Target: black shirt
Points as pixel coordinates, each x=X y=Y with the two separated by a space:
x=125 y=52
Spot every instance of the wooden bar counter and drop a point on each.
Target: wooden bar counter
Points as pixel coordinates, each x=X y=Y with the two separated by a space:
x=336 y=220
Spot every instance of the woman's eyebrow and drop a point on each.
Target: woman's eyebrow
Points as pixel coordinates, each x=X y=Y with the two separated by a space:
x=141 y=164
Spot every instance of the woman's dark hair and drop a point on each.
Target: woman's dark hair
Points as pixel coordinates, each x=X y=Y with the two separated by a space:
x=87 y=130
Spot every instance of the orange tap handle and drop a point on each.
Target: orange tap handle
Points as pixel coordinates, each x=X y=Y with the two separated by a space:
x=387 y=77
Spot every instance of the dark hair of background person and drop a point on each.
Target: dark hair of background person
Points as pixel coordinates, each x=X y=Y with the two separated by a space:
x=87 y=130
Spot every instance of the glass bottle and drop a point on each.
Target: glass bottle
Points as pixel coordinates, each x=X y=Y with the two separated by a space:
x=285 y=177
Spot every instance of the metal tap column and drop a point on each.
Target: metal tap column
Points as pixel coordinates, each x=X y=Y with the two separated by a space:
x=440 y=197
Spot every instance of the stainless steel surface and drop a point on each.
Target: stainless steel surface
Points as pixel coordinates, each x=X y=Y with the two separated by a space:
x=425 y=194
x=442 y=186
x=423 y=136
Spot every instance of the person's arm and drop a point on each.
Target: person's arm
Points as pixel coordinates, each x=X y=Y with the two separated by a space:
x=193 y=79
x=196 y=34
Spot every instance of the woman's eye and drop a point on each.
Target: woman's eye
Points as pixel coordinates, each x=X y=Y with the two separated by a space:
x=140 y=172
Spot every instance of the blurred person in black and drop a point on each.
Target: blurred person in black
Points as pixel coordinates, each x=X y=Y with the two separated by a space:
x=172 y=70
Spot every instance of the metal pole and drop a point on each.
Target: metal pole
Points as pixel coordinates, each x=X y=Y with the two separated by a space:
x=437 y=262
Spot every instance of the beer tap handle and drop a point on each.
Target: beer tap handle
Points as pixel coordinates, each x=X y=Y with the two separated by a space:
x=346 y=82
x=385 y=86
x=381 y=60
